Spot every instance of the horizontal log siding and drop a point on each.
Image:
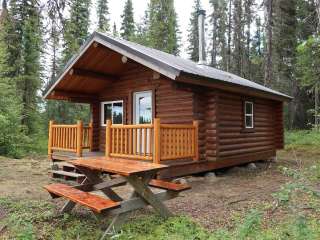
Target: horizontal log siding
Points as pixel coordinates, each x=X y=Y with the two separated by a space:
x=206 y=112
x=233 y=141
x=172 y=105
x=279 y=129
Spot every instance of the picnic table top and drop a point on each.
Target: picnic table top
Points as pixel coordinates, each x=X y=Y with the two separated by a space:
x=124 y=167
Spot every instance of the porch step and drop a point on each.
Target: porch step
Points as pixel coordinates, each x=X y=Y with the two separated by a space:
x=60 y=156
x=65 y=166
x=67 y=175
x=94 y=202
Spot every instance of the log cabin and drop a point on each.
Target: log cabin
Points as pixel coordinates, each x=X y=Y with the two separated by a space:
x=149 y=105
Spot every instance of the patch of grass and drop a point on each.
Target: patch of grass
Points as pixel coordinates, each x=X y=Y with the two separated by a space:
x=30 y=220
x=302 y=138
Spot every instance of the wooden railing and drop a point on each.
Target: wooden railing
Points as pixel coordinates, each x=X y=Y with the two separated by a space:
x=69 y=137
x=157 y=142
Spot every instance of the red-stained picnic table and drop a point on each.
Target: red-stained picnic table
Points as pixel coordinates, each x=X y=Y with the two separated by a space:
x=140 y=175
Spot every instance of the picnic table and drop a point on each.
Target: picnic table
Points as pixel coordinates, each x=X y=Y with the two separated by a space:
x=138 y=174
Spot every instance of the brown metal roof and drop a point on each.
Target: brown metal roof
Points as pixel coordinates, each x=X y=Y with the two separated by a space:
x=164 y=63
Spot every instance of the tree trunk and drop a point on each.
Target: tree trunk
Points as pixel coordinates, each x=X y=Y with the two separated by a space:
x=268 y=53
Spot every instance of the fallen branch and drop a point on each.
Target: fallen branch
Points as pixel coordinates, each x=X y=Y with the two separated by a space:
x=237 y=201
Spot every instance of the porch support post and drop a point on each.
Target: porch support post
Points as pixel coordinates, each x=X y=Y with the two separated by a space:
x=196 y=139
x=156 y=141
x=108 y=138
x=79 y=138
x=50 y=139
x=91 y=136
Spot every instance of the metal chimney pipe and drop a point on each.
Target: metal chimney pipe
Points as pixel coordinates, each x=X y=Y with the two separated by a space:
x=201 y=17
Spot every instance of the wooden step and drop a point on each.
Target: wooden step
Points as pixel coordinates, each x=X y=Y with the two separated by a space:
x=94 y=202
x=78 y=177
x=177 y=187
x=65 y=173
x=64 y=164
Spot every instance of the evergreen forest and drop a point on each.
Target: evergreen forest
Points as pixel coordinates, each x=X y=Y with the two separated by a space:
x=273 y=42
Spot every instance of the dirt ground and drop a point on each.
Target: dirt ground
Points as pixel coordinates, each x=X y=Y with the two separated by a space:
x=212 y=201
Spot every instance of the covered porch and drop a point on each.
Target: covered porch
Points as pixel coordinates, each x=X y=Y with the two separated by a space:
x=154 y=142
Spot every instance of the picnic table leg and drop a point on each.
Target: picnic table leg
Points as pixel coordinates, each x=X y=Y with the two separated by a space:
x=69 y=204
x=94 y=178
x=144 y=191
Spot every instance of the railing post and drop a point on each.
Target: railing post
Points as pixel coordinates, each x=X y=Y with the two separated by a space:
x=79 y=138
x=90 y=136
x=108 y=138
x=50 y=139
x=156 y=141
x=196 y=139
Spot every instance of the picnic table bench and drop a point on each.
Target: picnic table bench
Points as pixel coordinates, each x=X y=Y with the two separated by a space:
x=139 y=175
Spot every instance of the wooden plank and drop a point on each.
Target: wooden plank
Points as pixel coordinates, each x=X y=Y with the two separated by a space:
x=79 y=138
x=65 y=173
x=134 y=157
x=50 y=139
x=108 y=138
x=177 y=187
x=94 y=202
x=120 y=166
x=157 y=141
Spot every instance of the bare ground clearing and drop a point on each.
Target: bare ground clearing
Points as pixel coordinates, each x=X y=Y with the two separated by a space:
x=211 y=202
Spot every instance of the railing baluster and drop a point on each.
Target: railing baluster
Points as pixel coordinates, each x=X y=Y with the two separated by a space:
x=134 y=141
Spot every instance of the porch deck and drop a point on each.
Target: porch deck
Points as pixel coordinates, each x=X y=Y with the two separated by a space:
x=68 y=156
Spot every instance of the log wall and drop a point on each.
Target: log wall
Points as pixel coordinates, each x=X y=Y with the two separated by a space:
x=234 y=139
x=171 y=104
x=220 y=115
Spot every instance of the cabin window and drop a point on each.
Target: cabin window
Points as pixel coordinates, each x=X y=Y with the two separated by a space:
x=112 y=111
x=248 y=114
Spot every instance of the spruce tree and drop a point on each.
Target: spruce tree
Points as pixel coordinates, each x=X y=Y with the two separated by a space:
x=238 y=46
x=76 y=28
x=141 y=35
x=12 y=138
x=103 y=16
x=218 y=21
x=163 y=32
x=256 y=53
x=76 y=31
x=193 y=33
x=24 y=45
x=269 y=52
x=285 y=42
x=248 y=18
x=127 y=26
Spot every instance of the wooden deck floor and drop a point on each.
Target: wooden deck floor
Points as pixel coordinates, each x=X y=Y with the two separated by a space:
x=66 y=156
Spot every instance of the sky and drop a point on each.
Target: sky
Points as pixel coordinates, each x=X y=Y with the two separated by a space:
x=182 y=7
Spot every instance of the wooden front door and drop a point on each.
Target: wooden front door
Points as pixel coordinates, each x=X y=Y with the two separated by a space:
x=142 y=114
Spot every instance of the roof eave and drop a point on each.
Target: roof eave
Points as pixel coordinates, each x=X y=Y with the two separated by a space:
x=210 y=82
x=158 y=66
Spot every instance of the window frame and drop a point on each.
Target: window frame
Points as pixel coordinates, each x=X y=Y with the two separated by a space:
x=245 y=114
x=102 y=123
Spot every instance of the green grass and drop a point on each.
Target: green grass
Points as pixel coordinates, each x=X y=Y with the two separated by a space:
x=30 y=220
x=302 y=138
x=298 y=201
